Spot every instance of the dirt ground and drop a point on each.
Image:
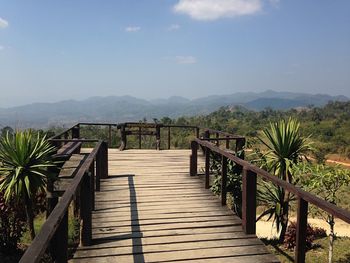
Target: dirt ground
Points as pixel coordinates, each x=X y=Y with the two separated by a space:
x=265 y=229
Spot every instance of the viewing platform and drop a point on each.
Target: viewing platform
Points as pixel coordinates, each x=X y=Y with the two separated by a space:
x=150 y=210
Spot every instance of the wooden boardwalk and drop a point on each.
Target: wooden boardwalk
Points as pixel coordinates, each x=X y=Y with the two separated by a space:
x=151 y=210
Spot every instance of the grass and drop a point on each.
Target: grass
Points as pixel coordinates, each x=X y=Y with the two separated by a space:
x=319 y=253
x=73 y=236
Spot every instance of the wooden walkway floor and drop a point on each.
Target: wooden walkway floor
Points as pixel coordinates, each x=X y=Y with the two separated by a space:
x=151 y=210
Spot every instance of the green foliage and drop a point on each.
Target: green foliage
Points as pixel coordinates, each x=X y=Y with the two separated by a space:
x=324 y=180
x=24 y=163
x=234 y=181
x=286 y=147
x=272 y=198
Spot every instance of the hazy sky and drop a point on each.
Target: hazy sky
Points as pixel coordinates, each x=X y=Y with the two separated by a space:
x=54 y=50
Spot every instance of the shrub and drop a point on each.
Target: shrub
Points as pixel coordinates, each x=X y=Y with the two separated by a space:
x=12 y=224
x=312 y=233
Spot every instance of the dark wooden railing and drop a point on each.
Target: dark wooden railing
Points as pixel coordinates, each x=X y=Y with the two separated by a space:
x=53 y=236
x=249 y=187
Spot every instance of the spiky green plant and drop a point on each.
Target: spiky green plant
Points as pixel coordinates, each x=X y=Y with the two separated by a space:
x=286 y=147
x=24 y=162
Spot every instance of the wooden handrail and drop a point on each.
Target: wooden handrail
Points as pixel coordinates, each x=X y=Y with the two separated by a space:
x=249 y=185
x=57 y=220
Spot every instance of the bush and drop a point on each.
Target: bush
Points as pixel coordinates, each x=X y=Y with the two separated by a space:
x=12 y=224
x=312 y=233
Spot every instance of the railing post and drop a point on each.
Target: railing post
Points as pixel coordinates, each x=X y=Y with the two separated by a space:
x=140 y=137
x=99 y=169
x=227 y=142
x=240 y=142
x=207 y=167
x=300 y=247
x=110 y=135
x=123 y=137
x=76 y=132
x=194 y=158
x=92 y=183
x=104 y=161
x=197 y=132
x=169 y=138
x=158 y=137
x=217 y=141
x=59 y=242
x=223 y=180
x=206 y=134
x=248 y=201
x=85 y=211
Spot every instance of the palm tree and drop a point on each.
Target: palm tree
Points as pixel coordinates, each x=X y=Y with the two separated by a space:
x=286 y=147
x=24 y=163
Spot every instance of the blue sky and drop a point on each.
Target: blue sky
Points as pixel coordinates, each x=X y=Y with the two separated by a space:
x=54 y=50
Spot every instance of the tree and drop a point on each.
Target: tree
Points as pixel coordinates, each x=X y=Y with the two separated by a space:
x=326 y=182
x=24 y=163
x=286 y=147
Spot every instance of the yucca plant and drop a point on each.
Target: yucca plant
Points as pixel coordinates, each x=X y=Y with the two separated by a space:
x=285 y=148
x=24 y=162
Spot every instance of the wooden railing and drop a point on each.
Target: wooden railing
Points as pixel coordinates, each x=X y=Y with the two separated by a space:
x=53 y=235
x=249 y=192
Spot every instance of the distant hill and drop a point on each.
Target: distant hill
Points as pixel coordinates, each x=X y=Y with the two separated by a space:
x=127 y=108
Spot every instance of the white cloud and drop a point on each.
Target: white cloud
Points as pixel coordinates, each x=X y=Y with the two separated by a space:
x=173 y=27
x=215 y=9
x=185 y=60
x=132 y=29
x=3 y=23
x=1 y=47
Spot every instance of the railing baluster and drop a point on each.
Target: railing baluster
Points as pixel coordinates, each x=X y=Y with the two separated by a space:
x=207 y=168
x=194 y=158
x=223 y=180
x=227 y=142
x=85 y=195
x=300 y=247
x=249 y=201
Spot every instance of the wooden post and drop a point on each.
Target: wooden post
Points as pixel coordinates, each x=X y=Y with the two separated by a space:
x=193 y=158
x=206 y=134
x=169 y=138
x=249 y=201
x=92 y=183
x=300 y=247
x=217 y=141
x=104 y=161
x=227 y=142
x=99 y=169
x=140 y=137
x=59 y=242
x=158 y=137
x=223 y=180
x=123 y=137
x=207 y=167
x=76 y=132
x=110 y=135
x=197 y=132
x=85 y=211
x=240 y=142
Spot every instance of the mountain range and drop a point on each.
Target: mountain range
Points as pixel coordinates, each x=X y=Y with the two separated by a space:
x=127 y=108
